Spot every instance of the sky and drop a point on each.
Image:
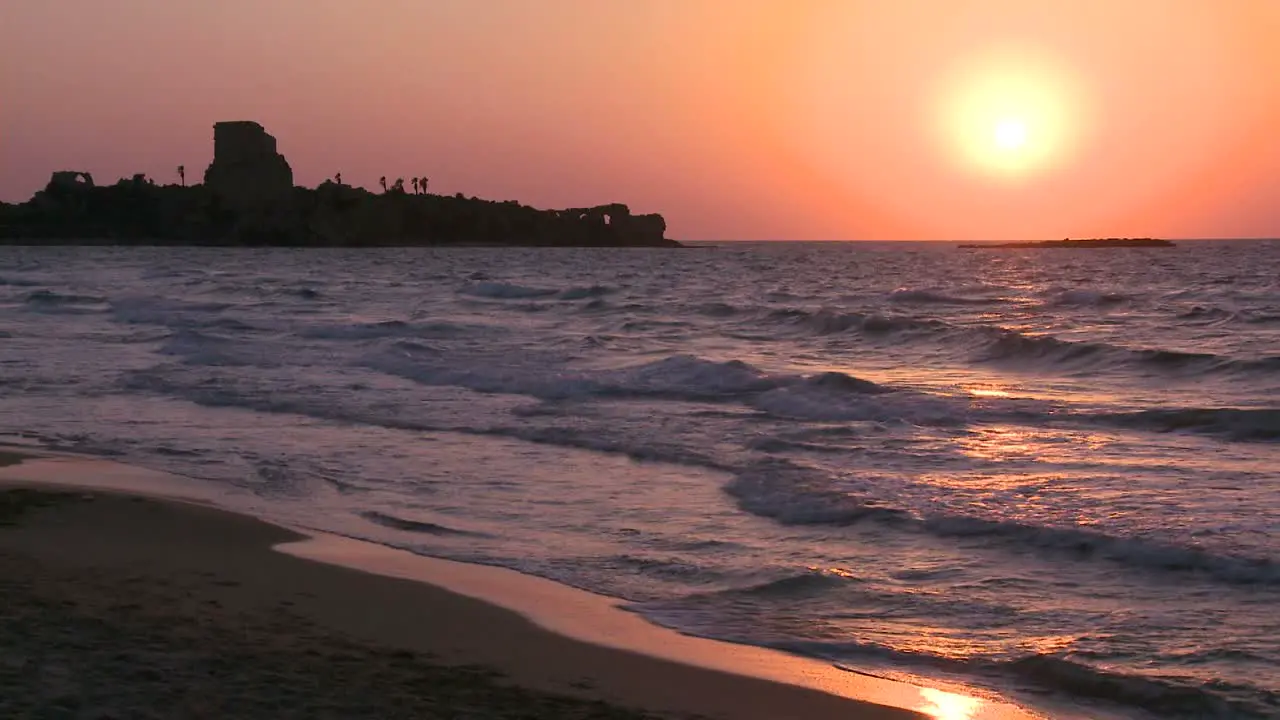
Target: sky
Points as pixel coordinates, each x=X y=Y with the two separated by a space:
x=736 y=119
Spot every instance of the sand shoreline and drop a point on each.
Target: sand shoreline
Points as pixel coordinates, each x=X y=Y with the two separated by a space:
x=566 y=649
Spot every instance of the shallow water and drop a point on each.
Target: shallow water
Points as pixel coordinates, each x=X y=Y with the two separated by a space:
x=1054 y=474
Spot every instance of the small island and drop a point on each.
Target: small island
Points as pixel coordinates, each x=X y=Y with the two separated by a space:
x=248 y=199
x=1082 y=243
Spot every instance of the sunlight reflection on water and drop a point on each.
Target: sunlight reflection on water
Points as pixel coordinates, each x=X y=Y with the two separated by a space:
x=949 y=706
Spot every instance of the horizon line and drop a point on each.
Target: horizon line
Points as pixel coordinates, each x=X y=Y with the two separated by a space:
x=965 y=240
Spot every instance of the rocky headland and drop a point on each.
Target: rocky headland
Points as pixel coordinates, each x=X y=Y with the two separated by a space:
x=248 y=199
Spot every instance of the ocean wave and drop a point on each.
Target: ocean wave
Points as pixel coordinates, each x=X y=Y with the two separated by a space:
x=204 y=348
x=832 y=322
x=1055 y=674
x=18 y=282
x=1004 y=345
x=824 y=396
x=814 y=581
x=777 y=445
x=506 y=291
x=1086 y=298
x=645 y=326
x=55 y=303
x=994 y=344
x=935 y=297
x=188 y=341
x=763 y=591
x=1239 y=424
x=168 y=312
x=666 y=568
x=794 y=494
x=690 y=376
x=678 y=377
x=1202 y=315
x=1085 y=544
x=1064 y=674
x=49 y=297
x=716 y=310
x=834 y=397
x=229 y=324
x=416 y=526
x=585 y=293
x=1167 y=697
x=391 y=329
x=643 y=450
x=1164 y=696
x=309 y=403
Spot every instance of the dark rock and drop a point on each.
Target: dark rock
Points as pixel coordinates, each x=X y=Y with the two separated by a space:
x=1069 y=243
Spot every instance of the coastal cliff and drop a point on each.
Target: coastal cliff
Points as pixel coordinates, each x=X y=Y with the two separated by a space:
x=248 y=199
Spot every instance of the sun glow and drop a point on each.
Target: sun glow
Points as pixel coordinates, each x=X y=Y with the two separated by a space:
x=1011 y=134
x=1010 y=115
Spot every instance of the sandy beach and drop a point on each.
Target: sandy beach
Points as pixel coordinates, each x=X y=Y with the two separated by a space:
x=125 y=606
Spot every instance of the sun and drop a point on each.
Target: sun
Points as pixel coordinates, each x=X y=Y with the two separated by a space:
x=1010 y=134
x=1009 y=115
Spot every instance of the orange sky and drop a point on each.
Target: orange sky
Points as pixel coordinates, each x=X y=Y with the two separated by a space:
x=737 y=119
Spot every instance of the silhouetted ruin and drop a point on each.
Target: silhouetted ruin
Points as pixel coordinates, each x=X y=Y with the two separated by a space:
x=248 y=198
x=71 y=180
x=247 y=173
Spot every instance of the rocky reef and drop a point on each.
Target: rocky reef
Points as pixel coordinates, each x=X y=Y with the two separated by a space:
x=248 y=199
x=1080 y=243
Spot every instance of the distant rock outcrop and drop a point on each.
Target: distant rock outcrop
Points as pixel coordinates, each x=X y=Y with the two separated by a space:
x=1069 y=243
x=248 y=198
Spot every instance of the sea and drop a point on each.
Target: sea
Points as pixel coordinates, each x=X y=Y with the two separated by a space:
x=1049 y=474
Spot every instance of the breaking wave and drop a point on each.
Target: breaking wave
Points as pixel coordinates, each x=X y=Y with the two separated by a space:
x=678 y=376
x=793 y=494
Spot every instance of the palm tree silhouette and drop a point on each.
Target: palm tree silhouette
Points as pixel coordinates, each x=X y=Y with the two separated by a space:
x=399 y=185
x=422 y=183
x=182 y=174
x=415 y=186
x=338 y=178
x=383 y=182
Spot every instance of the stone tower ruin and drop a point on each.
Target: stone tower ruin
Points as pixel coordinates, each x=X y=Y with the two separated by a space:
x=247 y=172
